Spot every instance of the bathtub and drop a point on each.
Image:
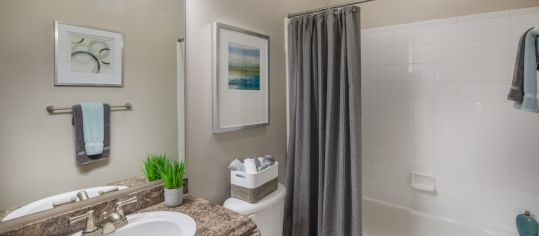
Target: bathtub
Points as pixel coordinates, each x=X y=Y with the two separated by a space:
x=385 y=219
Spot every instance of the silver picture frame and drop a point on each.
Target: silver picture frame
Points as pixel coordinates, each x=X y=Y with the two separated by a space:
x=217 y=27
x=56 y=57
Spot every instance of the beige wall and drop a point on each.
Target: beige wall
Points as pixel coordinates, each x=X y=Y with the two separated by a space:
x=391 y=12
x=36 y=149
x=209 y=154
x=31 y=141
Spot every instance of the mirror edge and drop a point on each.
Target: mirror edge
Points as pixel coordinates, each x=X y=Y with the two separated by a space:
x=23 y=221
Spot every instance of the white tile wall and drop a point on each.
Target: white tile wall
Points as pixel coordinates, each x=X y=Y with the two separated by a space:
x=434 y=101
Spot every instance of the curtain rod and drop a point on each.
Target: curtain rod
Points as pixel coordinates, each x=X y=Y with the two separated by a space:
x=329 y=7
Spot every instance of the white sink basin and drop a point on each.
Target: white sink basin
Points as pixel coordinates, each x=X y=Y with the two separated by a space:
x=46 y=203
x=162 y=223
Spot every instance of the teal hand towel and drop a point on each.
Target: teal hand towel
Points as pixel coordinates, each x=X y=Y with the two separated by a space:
x=236 y=165
x=529 y=102
x=93 y=127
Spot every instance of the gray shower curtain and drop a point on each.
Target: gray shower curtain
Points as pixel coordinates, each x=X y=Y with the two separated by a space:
x=323 y=167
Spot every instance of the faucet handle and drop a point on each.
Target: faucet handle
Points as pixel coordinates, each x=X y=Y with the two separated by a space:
x=90 y=221
x=121 y=204
x=61 y=203
x=103 y=192
x=83 y=195
x=126 y=202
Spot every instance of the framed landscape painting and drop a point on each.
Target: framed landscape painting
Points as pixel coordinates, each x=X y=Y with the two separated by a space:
x=240 y=78
x=87 y=56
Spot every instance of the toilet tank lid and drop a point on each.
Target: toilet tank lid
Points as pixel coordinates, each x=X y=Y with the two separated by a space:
x=247 y=209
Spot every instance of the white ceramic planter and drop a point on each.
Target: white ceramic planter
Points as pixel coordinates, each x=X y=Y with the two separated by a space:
x=173 y=197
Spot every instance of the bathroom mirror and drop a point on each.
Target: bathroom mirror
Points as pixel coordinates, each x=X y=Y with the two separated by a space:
x=38 y=166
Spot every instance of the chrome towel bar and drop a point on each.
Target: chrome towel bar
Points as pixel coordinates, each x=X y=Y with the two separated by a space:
x=51 y=109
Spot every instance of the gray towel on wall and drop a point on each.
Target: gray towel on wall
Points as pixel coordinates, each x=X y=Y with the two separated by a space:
x=516 y=93
x=82 y=158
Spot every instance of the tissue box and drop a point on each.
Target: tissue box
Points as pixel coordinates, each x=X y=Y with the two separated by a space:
x=253 y=187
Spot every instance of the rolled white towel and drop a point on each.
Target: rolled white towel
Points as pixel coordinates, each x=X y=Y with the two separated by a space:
x=250 y=166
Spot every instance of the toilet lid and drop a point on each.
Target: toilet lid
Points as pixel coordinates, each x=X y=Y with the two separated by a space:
x=246 y=208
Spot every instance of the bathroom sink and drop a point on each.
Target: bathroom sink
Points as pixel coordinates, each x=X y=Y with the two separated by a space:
x=46 y=203
x=162 y=223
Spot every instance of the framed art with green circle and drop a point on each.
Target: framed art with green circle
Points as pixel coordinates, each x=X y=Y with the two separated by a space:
x=87 y=56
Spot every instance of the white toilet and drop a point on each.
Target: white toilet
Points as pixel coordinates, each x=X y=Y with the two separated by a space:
x=266 y=213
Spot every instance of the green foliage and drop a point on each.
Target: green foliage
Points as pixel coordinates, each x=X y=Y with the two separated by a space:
x=172 y=174
x=152 y=165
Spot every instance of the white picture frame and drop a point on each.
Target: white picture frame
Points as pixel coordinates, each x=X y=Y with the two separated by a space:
x=241 y=88
x=87 y=56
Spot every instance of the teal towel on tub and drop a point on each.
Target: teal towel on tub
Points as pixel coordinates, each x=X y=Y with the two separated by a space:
x=93 y=127
x=529 y=102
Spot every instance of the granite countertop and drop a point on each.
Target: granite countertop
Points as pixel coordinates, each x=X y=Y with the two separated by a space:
x=211 y=218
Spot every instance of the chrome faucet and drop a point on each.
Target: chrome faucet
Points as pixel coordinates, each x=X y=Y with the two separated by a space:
x=81 y=196
x=91 y=227
x=117 y=219
x=105 y=224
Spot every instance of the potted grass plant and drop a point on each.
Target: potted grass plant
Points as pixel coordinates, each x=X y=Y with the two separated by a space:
x=172 y=175
x=152 y=165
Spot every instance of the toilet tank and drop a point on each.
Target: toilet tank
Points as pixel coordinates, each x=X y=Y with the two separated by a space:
x=267 y=213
